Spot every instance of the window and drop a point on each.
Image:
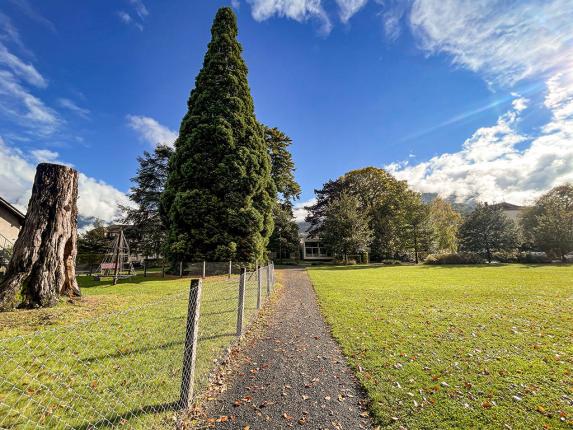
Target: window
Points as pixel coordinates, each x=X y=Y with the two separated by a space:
x=314 y=250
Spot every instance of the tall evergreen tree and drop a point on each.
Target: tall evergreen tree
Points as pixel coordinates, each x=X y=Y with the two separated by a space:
x=219 y=195
x=148 y=234
x=284 y=241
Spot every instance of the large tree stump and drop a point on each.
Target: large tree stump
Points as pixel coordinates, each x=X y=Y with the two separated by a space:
x=42 y=266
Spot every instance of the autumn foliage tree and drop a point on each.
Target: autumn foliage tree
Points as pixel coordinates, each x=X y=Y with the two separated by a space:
x=445 y=222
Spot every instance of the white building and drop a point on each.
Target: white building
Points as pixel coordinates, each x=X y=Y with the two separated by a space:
x=311 y=249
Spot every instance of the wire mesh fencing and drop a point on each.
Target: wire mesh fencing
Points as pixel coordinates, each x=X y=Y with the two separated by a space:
x=132 y=368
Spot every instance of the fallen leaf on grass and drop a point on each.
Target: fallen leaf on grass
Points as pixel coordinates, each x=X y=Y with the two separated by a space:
x=486 y=404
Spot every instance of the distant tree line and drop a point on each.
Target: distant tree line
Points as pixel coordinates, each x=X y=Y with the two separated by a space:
x=370 y=211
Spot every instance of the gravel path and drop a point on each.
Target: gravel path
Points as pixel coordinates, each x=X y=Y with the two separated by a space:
x=293 y=375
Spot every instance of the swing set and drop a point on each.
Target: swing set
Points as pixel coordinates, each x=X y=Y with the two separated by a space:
x=116 y=262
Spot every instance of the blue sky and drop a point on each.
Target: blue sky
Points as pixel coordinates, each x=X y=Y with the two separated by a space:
x=468 y=99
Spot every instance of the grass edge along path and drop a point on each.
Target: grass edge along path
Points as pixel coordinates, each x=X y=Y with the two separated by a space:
x=456 y=347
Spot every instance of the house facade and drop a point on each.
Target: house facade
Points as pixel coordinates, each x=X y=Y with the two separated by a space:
x=11 y=221
x=311 y=248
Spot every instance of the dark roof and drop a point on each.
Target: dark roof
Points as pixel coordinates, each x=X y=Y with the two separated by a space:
x=12 y=210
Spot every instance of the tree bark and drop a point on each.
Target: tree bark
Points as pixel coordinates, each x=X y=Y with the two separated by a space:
x=43 y=264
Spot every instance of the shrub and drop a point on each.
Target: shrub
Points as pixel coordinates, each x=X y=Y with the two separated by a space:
x=457 y=258
x=506 y=257
x=391 y=262
x=533 y=258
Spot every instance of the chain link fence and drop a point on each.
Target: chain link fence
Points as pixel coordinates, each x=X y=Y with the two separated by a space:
x=133 y=368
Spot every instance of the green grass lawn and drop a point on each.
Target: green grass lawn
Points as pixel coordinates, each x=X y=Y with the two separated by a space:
x=114 y=357
x=457 y=347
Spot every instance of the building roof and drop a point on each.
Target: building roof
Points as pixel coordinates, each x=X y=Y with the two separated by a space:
x=12 y=210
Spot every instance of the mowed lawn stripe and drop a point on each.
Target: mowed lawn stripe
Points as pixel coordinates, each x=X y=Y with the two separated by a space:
x=456 y=347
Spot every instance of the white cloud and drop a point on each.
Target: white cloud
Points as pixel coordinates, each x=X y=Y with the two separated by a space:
x=299 y=10
x=99 y=200
x=21 y=106
x=299 y=210
x=349 y=7
x=151 y=130
x=137 y=16
x=17 y=169
x=505 y=41
x=124 y=17
x=73 y=107
x=44 y=155
x=17 y=103
x=140 y=8
x=492 y=167
x=21 y=69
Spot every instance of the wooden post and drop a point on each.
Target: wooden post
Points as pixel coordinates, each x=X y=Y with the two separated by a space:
x=230 y=268
x=241 y=308
x=180 y=269
x=204 y=269
x=268 y=279
x=190 y=351
x=259 y=287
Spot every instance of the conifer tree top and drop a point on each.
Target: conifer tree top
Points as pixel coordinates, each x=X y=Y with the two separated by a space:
x=225 y=22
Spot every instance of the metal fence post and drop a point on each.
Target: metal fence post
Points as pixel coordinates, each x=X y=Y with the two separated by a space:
x=259 y=287
x=204 y=269
x=190 y=351
x=241 y=308
x=268 y=279
x=230 y=268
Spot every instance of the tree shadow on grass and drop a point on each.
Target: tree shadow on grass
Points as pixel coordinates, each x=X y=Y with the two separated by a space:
x=89 y=281
x=116 y=420
x=150 y=348
x=133 y=351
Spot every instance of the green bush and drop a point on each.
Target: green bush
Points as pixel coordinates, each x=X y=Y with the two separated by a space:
x=506 y=257
x=533 y=258
x=391 y=261
x=457 y=258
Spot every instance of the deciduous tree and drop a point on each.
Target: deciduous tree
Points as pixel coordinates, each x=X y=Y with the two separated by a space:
x=487 y=230
x=381 y=198
x=549 y=224
x=345 y=230
x=445 y=222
